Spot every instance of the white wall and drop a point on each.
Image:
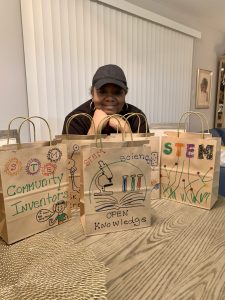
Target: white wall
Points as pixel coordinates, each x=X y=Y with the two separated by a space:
x=13 y=95
x=206 y=53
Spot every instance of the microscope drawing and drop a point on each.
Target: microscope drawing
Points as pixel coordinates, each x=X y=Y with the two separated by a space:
x=103 y=179
x=131 y=194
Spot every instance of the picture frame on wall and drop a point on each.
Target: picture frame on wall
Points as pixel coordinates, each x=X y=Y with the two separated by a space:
x=203 y=88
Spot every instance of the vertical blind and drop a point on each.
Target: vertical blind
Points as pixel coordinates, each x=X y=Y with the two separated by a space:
x=65 y=41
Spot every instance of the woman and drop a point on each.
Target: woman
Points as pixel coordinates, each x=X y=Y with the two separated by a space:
x=109 y=89
x=204 y=97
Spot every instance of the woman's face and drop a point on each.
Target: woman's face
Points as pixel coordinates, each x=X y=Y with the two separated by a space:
x=204 y=85
x=110 y=98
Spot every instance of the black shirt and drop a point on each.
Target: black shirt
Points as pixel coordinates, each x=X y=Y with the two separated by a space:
x=81 y=124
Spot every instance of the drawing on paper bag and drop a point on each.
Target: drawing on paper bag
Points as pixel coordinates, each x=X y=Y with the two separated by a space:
x=187 y=173
x=56 y=215
x=74 y=179
x=110 y=190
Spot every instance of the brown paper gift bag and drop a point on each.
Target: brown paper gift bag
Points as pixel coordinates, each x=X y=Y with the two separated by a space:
x=115 y=193
x=74 y=164
x=154 y=142
x=190 y=170
x=33 y=190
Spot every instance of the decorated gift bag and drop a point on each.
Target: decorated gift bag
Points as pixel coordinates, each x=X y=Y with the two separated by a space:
x=154 y=142
x=190 y=169
x=115 y=191
x=33 y=190
x=74 y=164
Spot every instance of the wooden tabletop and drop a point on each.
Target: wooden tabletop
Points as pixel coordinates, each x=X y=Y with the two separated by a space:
x=181 y=256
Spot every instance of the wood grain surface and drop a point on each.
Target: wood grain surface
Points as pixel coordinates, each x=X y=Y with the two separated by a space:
x=181 y=256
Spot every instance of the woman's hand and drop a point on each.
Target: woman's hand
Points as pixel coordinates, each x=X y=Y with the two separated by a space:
x=98 y=116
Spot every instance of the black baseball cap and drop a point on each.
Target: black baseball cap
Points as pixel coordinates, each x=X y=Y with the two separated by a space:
x=109 y=74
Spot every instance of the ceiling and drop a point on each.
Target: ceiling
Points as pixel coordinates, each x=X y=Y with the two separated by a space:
x=212 y=11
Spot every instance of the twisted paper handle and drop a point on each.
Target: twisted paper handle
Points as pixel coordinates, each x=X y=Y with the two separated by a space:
x=187 y=114
x=77 y=115
x=116 y=117
x=24 y=118
x=37 y=117
x=139 y=115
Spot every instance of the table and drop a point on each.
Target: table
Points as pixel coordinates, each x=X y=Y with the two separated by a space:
x=181 y=256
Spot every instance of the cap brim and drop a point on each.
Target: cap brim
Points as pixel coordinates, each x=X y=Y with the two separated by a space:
x=104 y=81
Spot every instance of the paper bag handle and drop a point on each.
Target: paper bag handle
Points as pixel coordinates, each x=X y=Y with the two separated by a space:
x=128 y=115
x=203 y=116
x=188 y=113
x=115 y=116
x=101 y=123
x=37 y=117
x=139 y=115
x=126 y=123
x=75 y=116
x=24 y=118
